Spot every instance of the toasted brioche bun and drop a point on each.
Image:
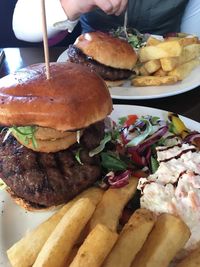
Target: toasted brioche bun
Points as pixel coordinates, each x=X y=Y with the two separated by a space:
x=27 y=205
x=73 y=97
x=114 y=83
x=107 y=50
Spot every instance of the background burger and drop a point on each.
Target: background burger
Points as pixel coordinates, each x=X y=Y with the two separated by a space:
x=112 y=58
x=51 y=125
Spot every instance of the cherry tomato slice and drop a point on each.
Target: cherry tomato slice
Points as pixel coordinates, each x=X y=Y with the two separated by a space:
x=131 y=120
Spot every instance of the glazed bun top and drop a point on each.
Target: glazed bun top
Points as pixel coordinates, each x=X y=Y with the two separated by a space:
x=108 y=50
x=73 y=98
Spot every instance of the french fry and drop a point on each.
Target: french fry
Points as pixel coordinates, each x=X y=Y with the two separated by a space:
x=192 y=260
x=143 y=71
x=154 y=80
x=160 y=73
x=184 y=41
x=112 y=204
x=57 y=248
x=163 y=49
x=152 y=65
x=131 y=239
x=71 y=256
x=184 y=70
x=153 y=41
x=188 y=40
x=169 y=63
x=172 y=38
x=169 y=236
x=95 y=248
x=24 y=253
x=189 y=52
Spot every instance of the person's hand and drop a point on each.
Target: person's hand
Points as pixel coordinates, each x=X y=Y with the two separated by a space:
x=74 y=8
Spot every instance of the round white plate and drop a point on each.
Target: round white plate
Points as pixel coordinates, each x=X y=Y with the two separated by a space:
x=15 y=222
x=150 y=92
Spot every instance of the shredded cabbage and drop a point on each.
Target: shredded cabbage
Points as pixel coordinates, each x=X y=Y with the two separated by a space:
x=150 y=129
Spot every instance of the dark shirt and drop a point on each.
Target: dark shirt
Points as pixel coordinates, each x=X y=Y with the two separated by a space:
x=148 y=16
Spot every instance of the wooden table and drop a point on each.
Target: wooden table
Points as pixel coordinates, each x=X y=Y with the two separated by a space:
x=187 y=104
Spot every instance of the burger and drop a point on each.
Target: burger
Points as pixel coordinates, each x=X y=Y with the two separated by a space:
x=111 y=57
x=49 y=128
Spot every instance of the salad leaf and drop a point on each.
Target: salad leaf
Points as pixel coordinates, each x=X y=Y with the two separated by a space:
x=111 y=162
x=150 y=129
x=26 y=134
x=122 y=120
x=154 y=120
x=77 y=156
x=134 y=41
x=132 y=35
x=115 y=134
x=101 y=146
x=154 y=164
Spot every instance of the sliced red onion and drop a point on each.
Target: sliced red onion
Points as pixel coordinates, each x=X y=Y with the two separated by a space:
x=139 y=124
x=141 y=153
x=152 y=139
x=148 y=155
x=120 y=180
x=191 y=137
x=136 y=157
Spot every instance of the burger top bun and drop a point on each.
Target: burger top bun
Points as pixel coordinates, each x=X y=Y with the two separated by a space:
x=108 y=50
x=73 y=97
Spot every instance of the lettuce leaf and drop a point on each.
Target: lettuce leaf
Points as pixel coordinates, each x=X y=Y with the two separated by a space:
x=101 y=146
x=25 y=134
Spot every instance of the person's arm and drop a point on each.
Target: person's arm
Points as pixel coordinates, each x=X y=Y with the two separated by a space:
x=27 y=20
x=60 y=14
x=191 y=18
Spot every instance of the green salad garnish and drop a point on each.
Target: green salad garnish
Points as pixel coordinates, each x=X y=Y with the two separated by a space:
x=25 y=134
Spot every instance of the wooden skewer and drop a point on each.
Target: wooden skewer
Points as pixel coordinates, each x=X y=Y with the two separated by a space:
x=125 y=23
x=45 y=39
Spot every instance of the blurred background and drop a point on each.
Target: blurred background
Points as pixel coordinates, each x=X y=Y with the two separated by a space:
x=7 y=37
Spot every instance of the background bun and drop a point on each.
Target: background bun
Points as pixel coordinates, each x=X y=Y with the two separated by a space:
x=73 y=98
x=107 y=50
x=114 y=83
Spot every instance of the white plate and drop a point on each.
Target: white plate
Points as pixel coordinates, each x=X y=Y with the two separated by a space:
x=15 y=222
x=149 y=92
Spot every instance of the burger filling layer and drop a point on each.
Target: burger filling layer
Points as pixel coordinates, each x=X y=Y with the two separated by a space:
x=107 y=73
x=48 y=179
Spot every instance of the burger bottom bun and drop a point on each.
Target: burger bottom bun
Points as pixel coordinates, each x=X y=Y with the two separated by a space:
x=115 y=83
x=29 y=206
x=52 y=145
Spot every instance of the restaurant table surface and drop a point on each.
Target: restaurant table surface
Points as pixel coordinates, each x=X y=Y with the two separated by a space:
x=187 y=104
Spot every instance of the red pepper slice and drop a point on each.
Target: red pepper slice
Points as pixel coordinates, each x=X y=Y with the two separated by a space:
x=130 y=120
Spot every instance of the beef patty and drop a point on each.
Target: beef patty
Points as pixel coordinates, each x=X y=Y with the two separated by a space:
x=107 y=73
x=44 y=179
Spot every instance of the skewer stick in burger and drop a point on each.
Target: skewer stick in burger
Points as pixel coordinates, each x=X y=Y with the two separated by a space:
x=51 y=125
x=112 y=58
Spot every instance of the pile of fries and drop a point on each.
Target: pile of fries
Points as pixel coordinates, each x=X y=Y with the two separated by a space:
x=85 y=233
x=167 y=61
